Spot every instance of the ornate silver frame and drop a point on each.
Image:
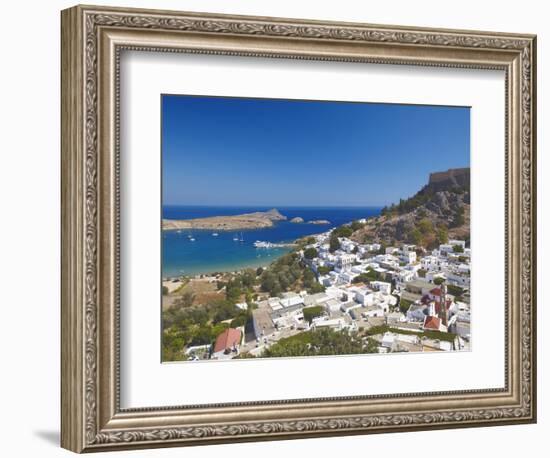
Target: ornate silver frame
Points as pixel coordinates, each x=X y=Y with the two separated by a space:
x=92 y=39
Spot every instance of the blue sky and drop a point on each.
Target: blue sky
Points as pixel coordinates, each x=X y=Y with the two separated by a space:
x=270 y=152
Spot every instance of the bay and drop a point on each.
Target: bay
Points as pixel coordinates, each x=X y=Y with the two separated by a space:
x=209 y=253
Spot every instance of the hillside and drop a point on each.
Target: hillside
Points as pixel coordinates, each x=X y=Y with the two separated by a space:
x=438 y=212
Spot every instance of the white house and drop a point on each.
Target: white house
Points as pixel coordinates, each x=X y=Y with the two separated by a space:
x=417 y=312
x=388 y=339
x=382 y=286
x=372 y=311
x=364 y=296
x=348 y=276
x=345 y=261
x=347 y=245
x=458 y=279
x=291 y=299
x=406 y=275
x=395 y=317
x=408 y=256
x=460 y=243
x=332 y=305
x=446 y=248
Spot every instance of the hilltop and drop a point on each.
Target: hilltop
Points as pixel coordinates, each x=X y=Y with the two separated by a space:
x=254 y=220
x=438 y=212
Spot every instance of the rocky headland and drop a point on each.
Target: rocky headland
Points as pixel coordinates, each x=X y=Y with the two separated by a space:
x=256 y=220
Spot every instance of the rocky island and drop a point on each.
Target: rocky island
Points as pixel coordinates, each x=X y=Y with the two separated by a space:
x=256 y=220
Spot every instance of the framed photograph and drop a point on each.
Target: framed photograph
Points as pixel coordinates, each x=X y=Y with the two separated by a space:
x=277 y=228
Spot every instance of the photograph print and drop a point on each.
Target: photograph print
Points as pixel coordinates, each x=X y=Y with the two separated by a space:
x=301 y=228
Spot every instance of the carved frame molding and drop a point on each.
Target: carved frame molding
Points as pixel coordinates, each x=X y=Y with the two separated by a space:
x=92 y=39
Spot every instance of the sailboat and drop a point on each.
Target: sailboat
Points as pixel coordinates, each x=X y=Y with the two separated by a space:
x=235 y=238
x=241 y=239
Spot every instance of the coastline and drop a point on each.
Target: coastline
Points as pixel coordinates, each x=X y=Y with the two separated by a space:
x=209 y=253
x=235 y=269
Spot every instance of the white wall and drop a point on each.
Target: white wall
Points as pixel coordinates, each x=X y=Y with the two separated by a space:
x=29 y=232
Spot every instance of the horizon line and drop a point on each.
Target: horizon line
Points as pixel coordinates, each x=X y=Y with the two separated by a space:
x=274 y=206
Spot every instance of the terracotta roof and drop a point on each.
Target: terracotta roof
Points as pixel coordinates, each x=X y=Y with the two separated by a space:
x=436 y=291
x=227 y=340
x=432 y=322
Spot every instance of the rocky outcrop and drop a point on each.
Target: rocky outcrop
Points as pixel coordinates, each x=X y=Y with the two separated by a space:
x=452 y=178
x=273 y=215
x=297 y=220
x=440 y=209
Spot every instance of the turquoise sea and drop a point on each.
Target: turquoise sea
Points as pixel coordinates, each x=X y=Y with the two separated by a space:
x=209 y=253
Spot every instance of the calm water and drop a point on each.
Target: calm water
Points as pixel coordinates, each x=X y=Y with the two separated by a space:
x=215 y=254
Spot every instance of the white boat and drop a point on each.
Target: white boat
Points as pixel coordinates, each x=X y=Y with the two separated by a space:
x=241 y=239
x=235 y=238
x=215 y=234
x=192 y=239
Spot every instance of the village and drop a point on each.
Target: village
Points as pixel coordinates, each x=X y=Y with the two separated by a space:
x=395 y=299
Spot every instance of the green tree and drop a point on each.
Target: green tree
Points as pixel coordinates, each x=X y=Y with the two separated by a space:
x=425 y=226
x=239 y=320
x=342 y=231
x=455 y=290
x=313 y=312
x=404 y=305
x=439 y=280
x=368 y=276
x=321 y=342
x=310 y=253
x=316 y=288
x=372 y=346
x=416 y=236
x=324 y=270
x=442 y=235
x=334 y=243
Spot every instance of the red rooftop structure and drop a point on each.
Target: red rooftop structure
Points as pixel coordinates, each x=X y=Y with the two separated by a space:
x=227 y=340
x=432 y=323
